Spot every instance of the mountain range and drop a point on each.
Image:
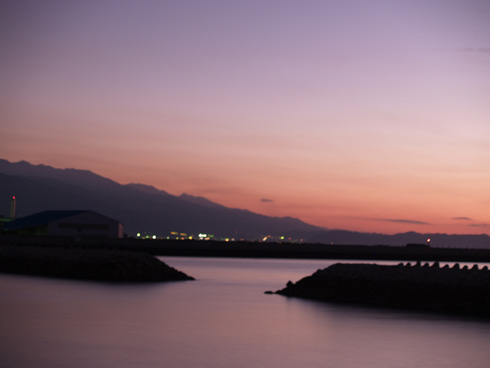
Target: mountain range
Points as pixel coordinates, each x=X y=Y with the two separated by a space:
x=141 y=208
x=147 y=210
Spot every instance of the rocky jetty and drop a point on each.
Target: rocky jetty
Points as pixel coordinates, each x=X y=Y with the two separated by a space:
x=87 y=264
x=455 y=290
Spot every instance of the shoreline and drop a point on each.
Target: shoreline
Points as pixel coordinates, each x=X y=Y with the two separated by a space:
x=196 y=248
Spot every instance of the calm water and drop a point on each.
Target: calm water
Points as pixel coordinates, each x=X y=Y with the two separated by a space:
x=222 y=320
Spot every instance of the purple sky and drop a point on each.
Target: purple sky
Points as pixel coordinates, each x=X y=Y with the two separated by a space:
x=361 y=115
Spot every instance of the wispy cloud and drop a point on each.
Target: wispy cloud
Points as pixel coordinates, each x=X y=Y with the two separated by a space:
x=266 y=200
x=405 y=221
x=479 y=225
x=462 y=218
x=479 y=50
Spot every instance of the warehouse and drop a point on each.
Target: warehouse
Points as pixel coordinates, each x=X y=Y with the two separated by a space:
x=76 y=224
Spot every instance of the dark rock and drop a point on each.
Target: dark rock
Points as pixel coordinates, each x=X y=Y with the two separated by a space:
x=87 y=264
x=445 y=290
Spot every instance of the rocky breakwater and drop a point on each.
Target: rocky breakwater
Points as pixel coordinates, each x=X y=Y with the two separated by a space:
x=454 y=290
x=87 y=264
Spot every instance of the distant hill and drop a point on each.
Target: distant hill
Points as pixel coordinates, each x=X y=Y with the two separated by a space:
x=141 y=208
x=437 y=240
x=148 y=210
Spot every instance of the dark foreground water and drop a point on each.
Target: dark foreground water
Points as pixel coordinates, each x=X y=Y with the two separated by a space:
x=222 y=320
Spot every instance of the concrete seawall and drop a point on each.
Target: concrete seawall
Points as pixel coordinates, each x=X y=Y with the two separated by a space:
x=86 y=264
x=195 y=248
x=464 y=291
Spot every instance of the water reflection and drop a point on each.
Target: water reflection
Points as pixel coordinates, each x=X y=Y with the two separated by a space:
x=224 y=319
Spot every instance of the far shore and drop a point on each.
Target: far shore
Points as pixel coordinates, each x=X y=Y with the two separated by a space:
x=196 y=248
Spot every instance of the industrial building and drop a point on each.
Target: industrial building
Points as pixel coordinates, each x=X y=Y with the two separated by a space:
x=76 y=224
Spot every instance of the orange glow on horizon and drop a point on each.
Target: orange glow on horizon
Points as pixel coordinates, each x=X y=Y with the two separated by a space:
x=382 y=133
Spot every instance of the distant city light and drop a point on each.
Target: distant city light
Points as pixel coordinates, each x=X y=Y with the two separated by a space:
x=138 y=235
x=154 y=237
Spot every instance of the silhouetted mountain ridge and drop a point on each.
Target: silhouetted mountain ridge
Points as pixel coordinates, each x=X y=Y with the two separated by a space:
x=141 y=208
x=146 y=209
x=400 y=239
x=83 y=178
x=200 y=200
x=146 y=188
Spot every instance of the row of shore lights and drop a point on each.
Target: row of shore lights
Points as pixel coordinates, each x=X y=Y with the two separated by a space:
x=183 y=236
x=146 y=236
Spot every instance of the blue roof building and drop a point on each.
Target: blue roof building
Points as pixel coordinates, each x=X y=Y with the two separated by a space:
x=78 y=224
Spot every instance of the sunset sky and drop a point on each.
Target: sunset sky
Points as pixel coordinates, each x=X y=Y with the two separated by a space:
x=359 y=115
